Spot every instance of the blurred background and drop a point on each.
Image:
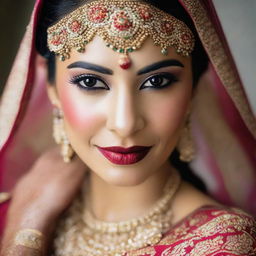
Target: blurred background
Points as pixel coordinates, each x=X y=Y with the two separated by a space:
x=14 y=16
x=237 y=16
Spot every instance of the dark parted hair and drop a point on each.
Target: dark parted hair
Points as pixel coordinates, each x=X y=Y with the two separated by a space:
x=53 y=10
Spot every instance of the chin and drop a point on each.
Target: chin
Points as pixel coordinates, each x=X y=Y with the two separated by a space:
x=123 y=176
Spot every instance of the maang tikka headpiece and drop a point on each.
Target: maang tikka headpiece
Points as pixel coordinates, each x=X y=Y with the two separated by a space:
x=123 y=25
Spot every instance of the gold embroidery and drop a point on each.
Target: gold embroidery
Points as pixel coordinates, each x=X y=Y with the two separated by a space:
x=197 y=220
x=200 y=249
x=219 y=58
x=207 y=247
x=177 y=233
x=222 y=224
x=148 y=251
x=239 y=243
x=178 y=250
x=207 y=233
x=210 y=236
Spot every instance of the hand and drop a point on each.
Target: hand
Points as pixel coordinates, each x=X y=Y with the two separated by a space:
x=45 y=191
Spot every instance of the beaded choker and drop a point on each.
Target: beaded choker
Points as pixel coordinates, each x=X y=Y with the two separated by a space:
x=123 y=25
x=80 y=233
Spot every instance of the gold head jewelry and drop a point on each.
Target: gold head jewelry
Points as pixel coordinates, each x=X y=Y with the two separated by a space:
x=123 y=25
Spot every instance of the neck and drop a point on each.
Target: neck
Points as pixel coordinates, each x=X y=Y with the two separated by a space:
x=115 y=203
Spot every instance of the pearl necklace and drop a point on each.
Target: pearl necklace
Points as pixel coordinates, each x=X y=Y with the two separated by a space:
x=80 y=233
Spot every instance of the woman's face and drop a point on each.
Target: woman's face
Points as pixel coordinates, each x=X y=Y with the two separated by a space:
x=106 y=106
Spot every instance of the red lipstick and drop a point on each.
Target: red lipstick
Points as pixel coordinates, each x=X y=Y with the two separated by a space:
x=124 y=156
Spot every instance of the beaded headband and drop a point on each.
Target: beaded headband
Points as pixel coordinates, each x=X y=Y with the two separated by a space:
x=123 y=25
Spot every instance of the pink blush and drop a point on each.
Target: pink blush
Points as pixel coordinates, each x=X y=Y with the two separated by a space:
x=76 y=110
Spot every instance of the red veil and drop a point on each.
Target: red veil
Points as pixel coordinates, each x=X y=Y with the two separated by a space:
x=223 y=124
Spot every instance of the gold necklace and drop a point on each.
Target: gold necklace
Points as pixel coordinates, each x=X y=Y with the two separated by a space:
x=80 y=233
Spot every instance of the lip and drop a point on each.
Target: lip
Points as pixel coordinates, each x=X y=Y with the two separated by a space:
x=124 y=156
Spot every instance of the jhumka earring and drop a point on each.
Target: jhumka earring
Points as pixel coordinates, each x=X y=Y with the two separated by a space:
x=186 y=146
x=60 y=136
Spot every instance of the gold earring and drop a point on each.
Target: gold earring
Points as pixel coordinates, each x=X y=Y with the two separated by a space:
x=60 y=136
x=186 y=146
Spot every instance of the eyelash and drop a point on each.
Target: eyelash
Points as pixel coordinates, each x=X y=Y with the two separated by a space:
x=168 y=76
x=78 y=79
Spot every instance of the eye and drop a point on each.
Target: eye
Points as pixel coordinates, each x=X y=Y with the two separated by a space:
x=89 y=82
x=159 y=81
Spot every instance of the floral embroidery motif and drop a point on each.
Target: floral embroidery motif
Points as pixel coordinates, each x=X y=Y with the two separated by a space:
x=208 y=231
x=241 y=243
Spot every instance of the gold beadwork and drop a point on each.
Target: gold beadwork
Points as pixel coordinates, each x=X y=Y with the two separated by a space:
x=80 y=233
x=123 y=25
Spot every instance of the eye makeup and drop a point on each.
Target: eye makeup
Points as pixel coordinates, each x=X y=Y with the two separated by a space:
x=159 y=81
x=88 y=82
x=92 y=82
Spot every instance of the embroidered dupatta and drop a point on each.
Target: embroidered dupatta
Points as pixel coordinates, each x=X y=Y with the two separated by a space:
x=207 y=231
x=223 y=124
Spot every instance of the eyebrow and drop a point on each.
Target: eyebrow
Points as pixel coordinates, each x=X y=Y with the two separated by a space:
x=90 y=66
x=160 y=64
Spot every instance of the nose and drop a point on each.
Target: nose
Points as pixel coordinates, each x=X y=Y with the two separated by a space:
x=124 y=116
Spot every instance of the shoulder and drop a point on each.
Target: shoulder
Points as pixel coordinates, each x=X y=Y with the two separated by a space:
x=214 y=229
x=207 y=231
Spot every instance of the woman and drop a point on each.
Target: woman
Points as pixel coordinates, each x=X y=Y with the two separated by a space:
x=123 y=109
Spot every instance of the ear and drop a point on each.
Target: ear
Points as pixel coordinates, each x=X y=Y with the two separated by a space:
x=53 y=95
x=51 y=88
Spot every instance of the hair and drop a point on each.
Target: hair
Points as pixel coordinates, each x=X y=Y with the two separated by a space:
x=53 y=10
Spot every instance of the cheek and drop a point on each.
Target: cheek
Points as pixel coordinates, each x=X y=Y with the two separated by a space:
x=171 y=111
x=78 y=114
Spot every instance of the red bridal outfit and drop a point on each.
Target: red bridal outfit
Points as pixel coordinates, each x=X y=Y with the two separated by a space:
x=209 y=230
x=223 y=126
